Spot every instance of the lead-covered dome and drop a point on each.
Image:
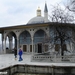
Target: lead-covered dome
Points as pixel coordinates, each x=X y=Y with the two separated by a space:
x=37 y=19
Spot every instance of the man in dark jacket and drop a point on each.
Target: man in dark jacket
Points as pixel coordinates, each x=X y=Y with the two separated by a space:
x=15 y=53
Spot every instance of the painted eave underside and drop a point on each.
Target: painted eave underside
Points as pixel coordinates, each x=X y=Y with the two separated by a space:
x=35 y=26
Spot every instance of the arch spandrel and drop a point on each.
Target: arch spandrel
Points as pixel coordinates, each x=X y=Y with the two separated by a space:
x=11 y=33
x=40 y=29
x=46 y=31
x=22 y=32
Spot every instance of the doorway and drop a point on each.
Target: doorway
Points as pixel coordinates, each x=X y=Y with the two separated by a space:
x=40 y=48
x=30 y=48
x=24 y=48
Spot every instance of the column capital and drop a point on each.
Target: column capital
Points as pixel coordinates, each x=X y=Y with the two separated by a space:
x=17 y=38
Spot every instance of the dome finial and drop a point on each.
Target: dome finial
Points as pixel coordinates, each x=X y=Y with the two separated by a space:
x=38 y=11
x=38 y=8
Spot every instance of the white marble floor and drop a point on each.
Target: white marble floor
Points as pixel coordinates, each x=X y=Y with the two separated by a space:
x=9 y=60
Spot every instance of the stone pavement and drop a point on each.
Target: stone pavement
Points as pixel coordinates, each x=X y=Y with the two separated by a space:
x=9 y=60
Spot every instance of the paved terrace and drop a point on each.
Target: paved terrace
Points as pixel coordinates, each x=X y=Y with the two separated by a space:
x=7 y=60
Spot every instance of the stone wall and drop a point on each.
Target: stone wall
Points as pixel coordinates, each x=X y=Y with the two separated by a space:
x=38 y=70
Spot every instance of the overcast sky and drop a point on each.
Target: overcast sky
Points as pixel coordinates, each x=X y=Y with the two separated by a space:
x=17 y=12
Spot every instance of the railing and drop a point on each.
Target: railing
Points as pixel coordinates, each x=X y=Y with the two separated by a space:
x=52 y=58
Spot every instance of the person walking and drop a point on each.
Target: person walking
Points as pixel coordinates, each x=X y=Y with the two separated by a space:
x=20 y=54
x=15 y=53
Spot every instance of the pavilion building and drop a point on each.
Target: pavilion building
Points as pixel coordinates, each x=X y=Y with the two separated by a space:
x=31 y=36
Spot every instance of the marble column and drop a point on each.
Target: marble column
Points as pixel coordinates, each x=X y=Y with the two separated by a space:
x=32 y=46
x=17 y=45
x=4 y=46
x=10 y=43
x=15 y=42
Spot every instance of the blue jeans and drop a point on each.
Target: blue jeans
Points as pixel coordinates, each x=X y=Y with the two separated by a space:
x=20 y=58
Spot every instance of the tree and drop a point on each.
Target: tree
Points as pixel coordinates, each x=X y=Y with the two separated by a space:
x=61 y=15
x=62 y=36
x=59 y=36
x=60 y=32
x=71 y=5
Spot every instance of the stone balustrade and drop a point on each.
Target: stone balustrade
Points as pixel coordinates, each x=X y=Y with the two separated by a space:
x=50 y=58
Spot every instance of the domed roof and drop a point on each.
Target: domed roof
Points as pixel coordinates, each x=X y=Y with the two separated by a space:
x=38 y=19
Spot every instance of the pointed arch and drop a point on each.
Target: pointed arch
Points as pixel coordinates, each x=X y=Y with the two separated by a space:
x=11 y=33
x=25 y=37
x=39 y=36
x=10 y=43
